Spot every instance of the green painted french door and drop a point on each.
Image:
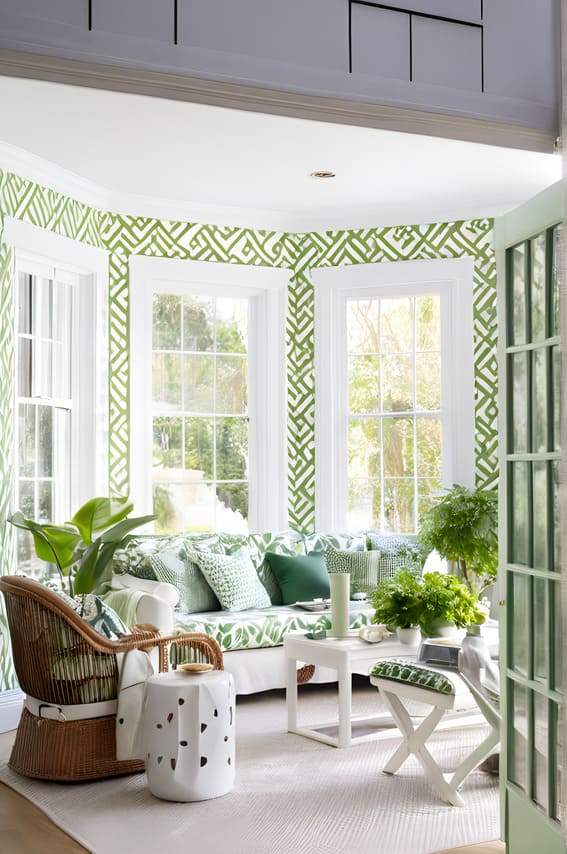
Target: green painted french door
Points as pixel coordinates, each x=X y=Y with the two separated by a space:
x=530 y=561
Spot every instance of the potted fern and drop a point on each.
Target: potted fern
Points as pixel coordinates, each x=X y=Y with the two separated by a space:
x=424 y=605
x=463 y=527
x=83 y=548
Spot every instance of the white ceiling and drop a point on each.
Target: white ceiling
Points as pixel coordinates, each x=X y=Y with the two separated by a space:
x=179 y=160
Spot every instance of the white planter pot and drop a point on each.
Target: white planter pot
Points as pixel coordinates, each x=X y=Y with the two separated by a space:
x=411 y=636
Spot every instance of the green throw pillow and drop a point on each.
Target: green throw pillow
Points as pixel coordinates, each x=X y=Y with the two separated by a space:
x=176 y=568
x=300 y=578
x=364 y=568
x=404 y=671
x=233 y=579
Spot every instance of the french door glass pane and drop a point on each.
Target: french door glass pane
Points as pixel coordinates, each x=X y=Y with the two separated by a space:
x=541 y=739
x=520 y=613
x=518 y=769
x=556 y=356
x=540 y=524
x=518 y=366
x=541 y=634
x=538 y=295
x=517 y=327
x=539 y=400
x=518 y=509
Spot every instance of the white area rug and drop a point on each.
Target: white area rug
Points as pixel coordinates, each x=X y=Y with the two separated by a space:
x=292 y=795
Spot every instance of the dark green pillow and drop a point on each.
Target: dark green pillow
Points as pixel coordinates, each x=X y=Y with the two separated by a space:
x=302 y=577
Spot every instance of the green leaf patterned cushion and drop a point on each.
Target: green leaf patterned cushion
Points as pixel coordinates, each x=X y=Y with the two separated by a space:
x=233 y=579
x=97 y=614
x=405 y=671
x=364 y=568
x=176 y=568
x=301 y=577
x=287 y=543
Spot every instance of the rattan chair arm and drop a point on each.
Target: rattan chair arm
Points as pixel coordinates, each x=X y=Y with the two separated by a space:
x=143 y=637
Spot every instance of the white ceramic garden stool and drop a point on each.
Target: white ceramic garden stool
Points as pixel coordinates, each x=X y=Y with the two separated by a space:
x=189 y=735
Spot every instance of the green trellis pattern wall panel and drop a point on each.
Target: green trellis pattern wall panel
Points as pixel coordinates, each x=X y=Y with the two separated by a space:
x=398 y=243
x=124 y=236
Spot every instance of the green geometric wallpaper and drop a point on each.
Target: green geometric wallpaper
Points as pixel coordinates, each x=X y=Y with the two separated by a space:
x=124 y=236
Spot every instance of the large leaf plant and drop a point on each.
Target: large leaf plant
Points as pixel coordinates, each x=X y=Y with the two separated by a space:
x=82 y=549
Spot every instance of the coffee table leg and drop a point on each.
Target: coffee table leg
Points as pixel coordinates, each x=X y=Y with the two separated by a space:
x=345 y=705
x=291 y=694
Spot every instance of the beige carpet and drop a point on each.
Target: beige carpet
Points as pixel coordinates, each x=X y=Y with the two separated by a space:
x=292 y=796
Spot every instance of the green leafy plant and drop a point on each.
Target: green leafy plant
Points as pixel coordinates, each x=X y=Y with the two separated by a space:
x=445 y=599
x=406 y=600
x=397 y=600
x=83 y=548
x=463 y=528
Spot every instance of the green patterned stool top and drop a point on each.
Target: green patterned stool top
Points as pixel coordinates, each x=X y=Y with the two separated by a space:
x=413 y=674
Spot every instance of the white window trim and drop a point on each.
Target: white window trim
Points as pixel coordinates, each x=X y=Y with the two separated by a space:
x=267 y=405
x=333 y=286
x=90 y=375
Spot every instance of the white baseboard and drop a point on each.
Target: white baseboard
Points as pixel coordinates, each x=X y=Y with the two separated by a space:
x=11 y=704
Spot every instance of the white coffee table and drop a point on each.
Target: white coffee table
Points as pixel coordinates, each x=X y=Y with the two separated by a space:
x=348 y=656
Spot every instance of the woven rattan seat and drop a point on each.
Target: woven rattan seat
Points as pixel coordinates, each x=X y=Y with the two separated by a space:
x=61 y=659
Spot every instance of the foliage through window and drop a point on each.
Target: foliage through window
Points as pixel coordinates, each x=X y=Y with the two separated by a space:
x=395 y=411
x=199 y=412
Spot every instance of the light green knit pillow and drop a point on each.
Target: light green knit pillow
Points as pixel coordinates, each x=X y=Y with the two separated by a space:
x=233 y=579
x=363 y=568
x=402 y=671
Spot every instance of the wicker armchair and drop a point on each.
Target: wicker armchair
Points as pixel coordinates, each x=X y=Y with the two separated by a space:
x=61 y=660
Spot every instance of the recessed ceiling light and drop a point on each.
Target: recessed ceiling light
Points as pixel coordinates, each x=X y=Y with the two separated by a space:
x=323 y=174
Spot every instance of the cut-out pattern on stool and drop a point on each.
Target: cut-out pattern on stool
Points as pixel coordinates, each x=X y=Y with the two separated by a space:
x=196 y=742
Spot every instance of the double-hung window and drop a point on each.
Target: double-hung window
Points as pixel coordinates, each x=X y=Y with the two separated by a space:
x=59 y=378
x=208 y=395
x=395 y=419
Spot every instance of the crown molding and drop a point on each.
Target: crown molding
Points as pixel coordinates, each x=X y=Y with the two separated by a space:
x=41 y=66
